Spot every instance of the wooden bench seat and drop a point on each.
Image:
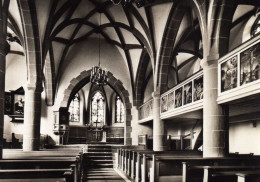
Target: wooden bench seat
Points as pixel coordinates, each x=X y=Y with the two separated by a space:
x=137 y=163
x=195 y=170
x=45 y=161
x=31 y=164
x=237 y=176
x=66 y=173
x=211 y=171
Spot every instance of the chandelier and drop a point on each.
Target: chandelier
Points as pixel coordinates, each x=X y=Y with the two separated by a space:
x=139 y=3
x=98 y=75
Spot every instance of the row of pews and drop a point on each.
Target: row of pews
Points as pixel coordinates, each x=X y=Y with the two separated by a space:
x=59 y=164
x=185 y=166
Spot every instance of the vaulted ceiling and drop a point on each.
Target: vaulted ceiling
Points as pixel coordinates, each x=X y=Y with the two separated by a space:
x=133 y=30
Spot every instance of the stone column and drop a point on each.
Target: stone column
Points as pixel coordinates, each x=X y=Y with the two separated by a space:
x=4 y=49
x=159 y=136
x=32 y=117
x=215 y=117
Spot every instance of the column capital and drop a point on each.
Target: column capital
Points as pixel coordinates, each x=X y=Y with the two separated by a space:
x=34 y=87
x=156 y=93
x=210 y=60
x=4 y=47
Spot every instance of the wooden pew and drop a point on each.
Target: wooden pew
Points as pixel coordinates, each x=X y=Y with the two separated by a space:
x=54 y=159
x=66 y=173
x=195 y=169
x=220 y=171
x=240 y=176
x=138 y=164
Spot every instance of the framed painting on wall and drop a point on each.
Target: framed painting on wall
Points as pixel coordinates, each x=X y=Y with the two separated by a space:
x=14 y=104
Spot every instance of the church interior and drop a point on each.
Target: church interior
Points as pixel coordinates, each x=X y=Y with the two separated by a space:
x=130 y=90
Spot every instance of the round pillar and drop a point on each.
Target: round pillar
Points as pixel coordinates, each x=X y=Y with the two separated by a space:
x=159 y=137
x=215 y=117
x=32 y=117
x=4 y=49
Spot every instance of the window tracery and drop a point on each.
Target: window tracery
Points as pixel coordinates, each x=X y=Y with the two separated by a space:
x=120 y=110
x=97 y=108
x=74 y=109
x=256 y=26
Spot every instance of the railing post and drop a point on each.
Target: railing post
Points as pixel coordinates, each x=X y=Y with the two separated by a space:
x=137 y=177
x=184 y=171
x=133 y=166
x=129 y=163
x=125 y=161
x=118 y=156
x=122 y=159
x=143 y=179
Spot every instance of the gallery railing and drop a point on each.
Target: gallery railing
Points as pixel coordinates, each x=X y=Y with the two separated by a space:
x=187 y=92
x=145 y=111
x=239 y=71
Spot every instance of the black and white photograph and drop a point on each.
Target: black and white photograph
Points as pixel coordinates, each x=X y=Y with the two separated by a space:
x=130 y=91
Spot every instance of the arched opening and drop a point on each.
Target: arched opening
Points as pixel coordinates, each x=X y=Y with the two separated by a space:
x=96 y=114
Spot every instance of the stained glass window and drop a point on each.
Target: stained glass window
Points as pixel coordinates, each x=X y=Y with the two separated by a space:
x=74 y=109
x=97 y=108
x=120 y=110
x=256 y=27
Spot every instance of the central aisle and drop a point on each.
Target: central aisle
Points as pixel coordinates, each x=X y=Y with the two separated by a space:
x=102 y=174
x=99 y=164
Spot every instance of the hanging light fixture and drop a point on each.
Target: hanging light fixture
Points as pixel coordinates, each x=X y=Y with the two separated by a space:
x=98 y=75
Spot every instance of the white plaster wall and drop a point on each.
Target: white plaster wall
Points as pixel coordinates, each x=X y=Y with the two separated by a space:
x=15 y=77
x=148 y=90
x=138 y=129
x=244 y=138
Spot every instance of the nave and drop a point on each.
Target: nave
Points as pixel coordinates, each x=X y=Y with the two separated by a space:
x=171 y=85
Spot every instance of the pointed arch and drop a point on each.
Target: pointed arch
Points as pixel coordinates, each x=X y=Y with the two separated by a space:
x=84 y=78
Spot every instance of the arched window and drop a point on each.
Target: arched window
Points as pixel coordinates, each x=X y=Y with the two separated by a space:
x=120 y=110
x=74 y=109
x=97 y=108
x=256 y=27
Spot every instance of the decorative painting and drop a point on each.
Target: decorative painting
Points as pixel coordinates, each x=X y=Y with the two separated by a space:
x=198 y=88
x=250 y=63
x=171 y=101
x=178 y=97
x=229 y=74
x=187 y=93
x=18 y=107
x=164 y=104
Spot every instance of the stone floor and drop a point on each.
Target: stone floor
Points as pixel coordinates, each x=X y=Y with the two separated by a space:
x=103 y=175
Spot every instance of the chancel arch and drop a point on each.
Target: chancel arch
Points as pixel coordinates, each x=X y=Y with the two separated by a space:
x=115 y=84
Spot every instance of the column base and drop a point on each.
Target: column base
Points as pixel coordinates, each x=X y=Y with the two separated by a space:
x=160 y=143
x=214 y=152
x=160 y=148
x=31 y=144
x=128 y=141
